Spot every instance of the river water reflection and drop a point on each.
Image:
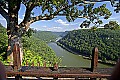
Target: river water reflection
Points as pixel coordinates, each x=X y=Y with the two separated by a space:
x=71 y=60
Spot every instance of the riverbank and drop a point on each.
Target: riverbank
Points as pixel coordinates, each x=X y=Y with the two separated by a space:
x=72 y=60
x=108 y=62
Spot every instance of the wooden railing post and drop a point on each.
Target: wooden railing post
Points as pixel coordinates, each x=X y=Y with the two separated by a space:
x=94 y=61
x=44 y=64
x=55 y=67
x=26 y=63
x=16 y=57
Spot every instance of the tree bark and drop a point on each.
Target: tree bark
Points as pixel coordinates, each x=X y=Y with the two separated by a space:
x=14 y=50
x=14 y=41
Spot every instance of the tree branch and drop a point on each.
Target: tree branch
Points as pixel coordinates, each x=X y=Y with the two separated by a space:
x=51 y=16
x=29 y=8
x=37 y=18
x=4 y=14
x=27 y=20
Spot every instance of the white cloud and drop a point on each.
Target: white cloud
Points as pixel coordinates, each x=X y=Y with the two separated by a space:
x=65 y=23
x=62 y=22
x=43 y=20
x=57 y=27
x=44 y=26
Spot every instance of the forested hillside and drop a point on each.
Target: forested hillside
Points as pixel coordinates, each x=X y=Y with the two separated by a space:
x=34 y=49
x=60 y=34
x=3 y=43
x=83 y=41
x=46 y=36
x=49 y=36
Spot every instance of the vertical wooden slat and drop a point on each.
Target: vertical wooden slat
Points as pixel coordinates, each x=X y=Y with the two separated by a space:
x=55 y=66
x=16 y=57
x=94 y=61
x=33 y=63
x=38 y=64
x=26 y=63
x=44 y=65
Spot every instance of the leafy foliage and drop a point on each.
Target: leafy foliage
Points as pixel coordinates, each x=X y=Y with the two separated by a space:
x=36 y=50
x=46 y=36
x=3 y=45
x=93 y=15
x=83 y=41
x=3 y=39
x=112 y=25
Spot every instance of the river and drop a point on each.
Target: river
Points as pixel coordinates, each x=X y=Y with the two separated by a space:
x=72 y=60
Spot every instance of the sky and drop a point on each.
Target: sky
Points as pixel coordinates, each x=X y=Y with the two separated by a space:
x=60 y=24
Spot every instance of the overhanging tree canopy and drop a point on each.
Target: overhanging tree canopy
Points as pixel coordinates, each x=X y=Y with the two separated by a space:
x=93 y=15
x=112 y=25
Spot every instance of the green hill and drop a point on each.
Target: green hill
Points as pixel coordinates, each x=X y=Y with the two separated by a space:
x=37 y=50
x=60 y=34
x=46 y=36
x=84 y=40
x=3 y=42
x=34 y=49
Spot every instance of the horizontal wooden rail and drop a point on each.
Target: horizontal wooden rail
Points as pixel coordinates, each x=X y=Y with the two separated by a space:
x=60 y=75
x=62 y=72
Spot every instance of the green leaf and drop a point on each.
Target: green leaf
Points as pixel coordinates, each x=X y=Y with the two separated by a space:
x=68 y=18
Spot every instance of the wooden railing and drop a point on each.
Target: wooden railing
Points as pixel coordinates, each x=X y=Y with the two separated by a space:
x=93 y=72
x=62 y=72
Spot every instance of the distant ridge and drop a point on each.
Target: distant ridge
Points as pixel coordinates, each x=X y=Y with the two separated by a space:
x=49 y=36
x=84 y=40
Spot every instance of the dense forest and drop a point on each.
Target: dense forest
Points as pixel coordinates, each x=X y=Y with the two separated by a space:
x=3 y=43
x=48 y=36
x=34 y=50
x=83 y=41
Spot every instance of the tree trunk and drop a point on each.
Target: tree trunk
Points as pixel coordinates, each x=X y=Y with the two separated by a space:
x=14 y=42
x=14 y=51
